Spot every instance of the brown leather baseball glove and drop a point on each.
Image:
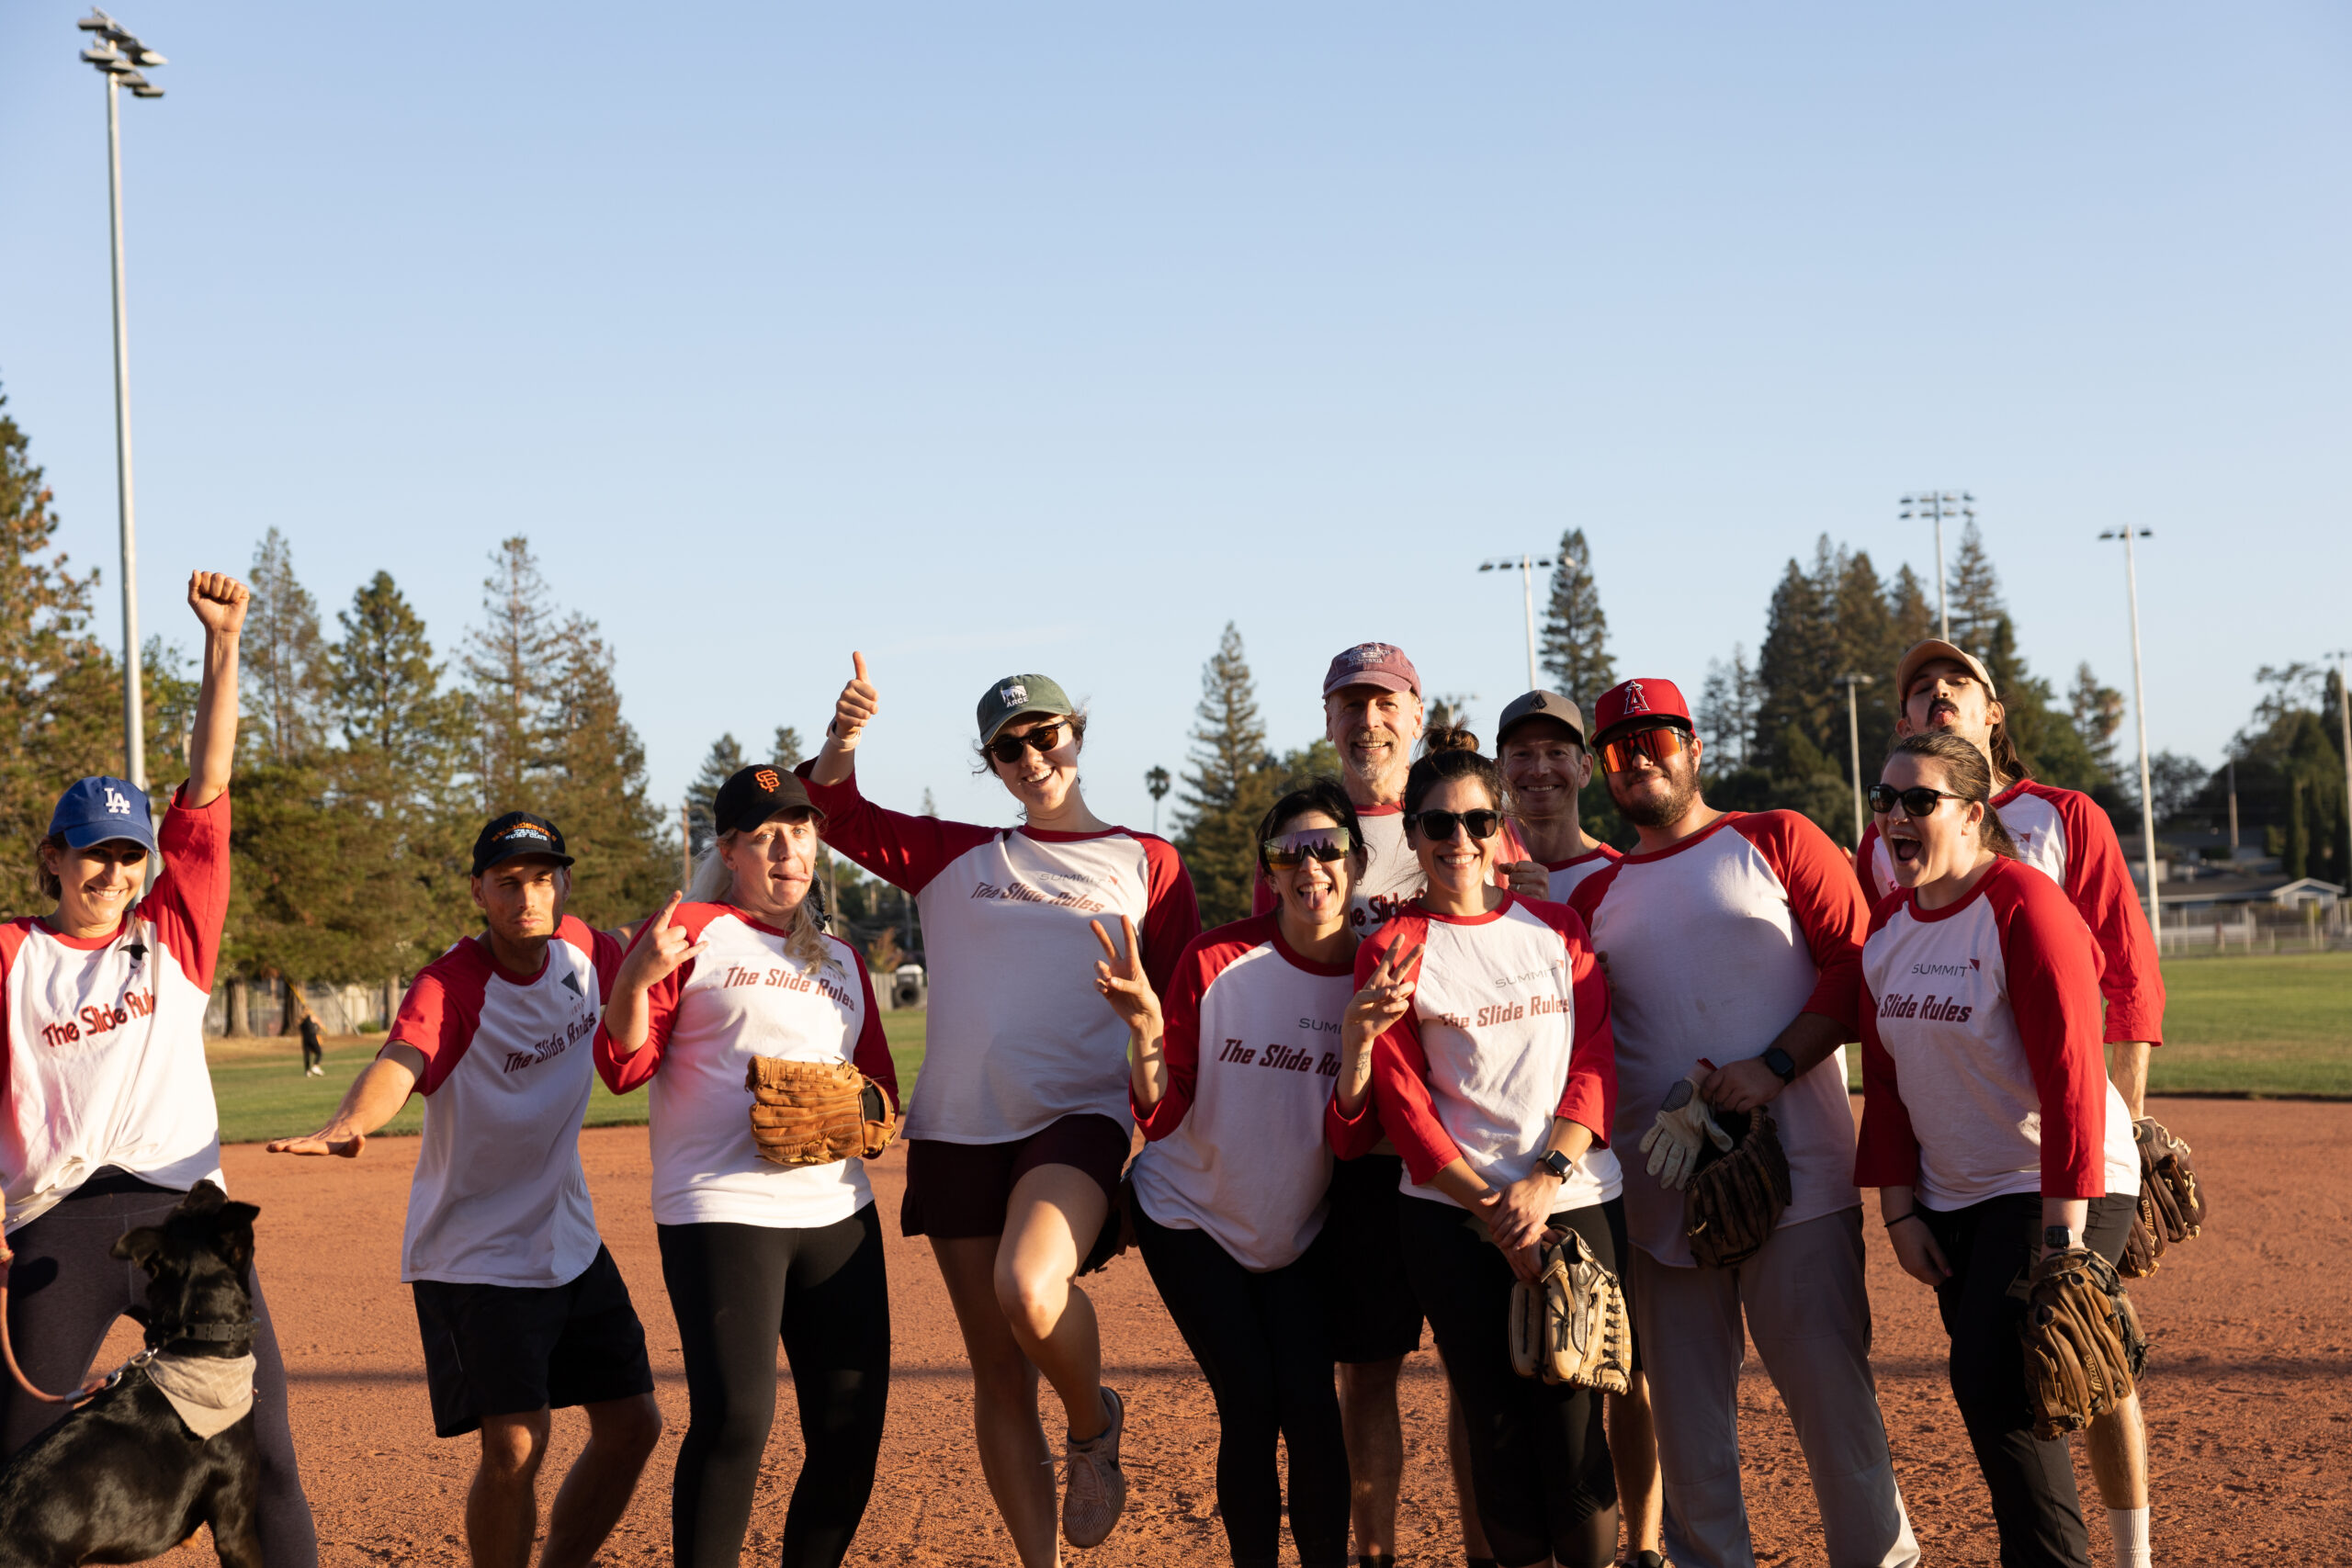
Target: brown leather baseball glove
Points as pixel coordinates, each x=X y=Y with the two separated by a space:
x=2082 y=1343
x=2171 y=1205
x=1734 y=1199
x=1570 y=1325
x=817 y=1113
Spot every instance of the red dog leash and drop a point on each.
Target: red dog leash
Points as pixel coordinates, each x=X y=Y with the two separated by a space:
x=8 y=1348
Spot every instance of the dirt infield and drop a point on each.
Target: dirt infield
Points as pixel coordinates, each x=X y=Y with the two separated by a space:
x=2247 y=1398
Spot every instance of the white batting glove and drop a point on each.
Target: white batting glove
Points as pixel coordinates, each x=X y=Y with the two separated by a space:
x=1683 y=1124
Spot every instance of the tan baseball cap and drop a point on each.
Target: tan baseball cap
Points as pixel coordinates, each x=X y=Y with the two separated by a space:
x=1936 y=648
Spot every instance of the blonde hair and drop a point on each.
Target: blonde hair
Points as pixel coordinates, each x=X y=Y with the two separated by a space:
x=714 y=883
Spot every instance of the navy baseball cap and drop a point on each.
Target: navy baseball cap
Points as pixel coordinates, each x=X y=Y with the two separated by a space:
x=97 y=809
x=518 y=833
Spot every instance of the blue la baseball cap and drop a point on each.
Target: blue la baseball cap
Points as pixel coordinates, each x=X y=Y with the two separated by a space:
x=96 y=809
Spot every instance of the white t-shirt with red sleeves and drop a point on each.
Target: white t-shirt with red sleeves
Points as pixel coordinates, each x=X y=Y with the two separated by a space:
x=1017 y=1038
x=1508 y=1031
x=1983 y=1070
x=1252 y=1042
x=1715 y=944
x=499 y=1197
x=2063 y=834
x=746 y=996
x=102 y=1042
x=1568 y=875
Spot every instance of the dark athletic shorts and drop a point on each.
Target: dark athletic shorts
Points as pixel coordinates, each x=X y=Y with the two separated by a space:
x=962 y=1190
x=511 y=1350
x=1374 y=1315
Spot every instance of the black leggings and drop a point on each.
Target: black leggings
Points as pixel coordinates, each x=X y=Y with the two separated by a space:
x=1260 y=1341
x=1990 y=1246
x=1539 y=1461
x=735 y=1288
x=65 y=1292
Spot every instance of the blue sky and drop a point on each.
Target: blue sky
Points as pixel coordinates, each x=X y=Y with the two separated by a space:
x=989 y=339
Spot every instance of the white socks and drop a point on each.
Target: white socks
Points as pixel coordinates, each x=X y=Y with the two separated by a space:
x=2130 y=1527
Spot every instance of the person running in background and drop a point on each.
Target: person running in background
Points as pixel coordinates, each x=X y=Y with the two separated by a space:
x=752 y=1251
x=103 y=1130
x=1019 y=1128
x=2062 y=833
x=313 y=1058
x=1734 y=946
x=1539 y=742
x=1503 y=1112
x=520 y=1305
x=1990 y=1130
x=1229 y=1193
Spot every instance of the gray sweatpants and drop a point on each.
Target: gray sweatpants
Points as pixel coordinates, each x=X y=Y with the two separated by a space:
x=1805 y=1306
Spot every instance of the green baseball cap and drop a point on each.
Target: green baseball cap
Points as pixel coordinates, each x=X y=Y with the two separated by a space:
x=1008 y=699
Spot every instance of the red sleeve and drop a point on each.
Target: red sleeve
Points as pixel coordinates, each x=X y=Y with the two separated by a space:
x=1886 y=1151
x=1171 y=917
x=622 y=1074
x=2054 y=995
x=1589 y=1097
x=1863 y=853
x=605 y=951
x=1400 y=1072
x=12 y=936
x=2099 y=882
x=871 y=1055
x=441 y=1010
x=1353 y=1137
x=1826 y=902
x=1584 y=897
x=1180 y=1008
x=903 y=850
x=189 y=902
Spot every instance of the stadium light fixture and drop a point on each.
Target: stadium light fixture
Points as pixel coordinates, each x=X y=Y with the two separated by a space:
x=1527 y=565
x=1939 y=505
x=2139 y=712
x=118 y=55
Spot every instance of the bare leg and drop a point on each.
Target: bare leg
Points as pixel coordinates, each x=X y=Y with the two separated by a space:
x=1633 y=1449
x=621 y=1435
x=2118 y=1443
x=1037 y=1261
x=502 y=1507
x=1376 y=1451
x=1466 y=1501
x=1014 y=1455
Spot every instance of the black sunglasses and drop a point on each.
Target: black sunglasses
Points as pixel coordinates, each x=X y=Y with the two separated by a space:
x=1919 y=802
x=1044 y=738
x=1437 y=826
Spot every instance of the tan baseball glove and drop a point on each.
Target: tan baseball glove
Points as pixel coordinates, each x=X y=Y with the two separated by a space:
x=817 y=1113
x=1570 y=1326
x=2082 y=1343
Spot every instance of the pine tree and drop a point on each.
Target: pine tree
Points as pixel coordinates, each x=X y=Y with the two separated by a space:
x=1576 y=629
x=1726 y=713
x=511 y=661
x=282 y=671
x=2097 y=713
x=595 y=788
x=724 y=760
x=1973 y=590
x=785 y=750
x=1228 y=752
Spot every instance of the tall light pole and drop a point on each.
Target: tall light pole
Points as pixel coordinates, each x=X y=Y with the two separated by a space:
x=118 y=57
x=1527 y=565
x=1854 y=745
x=1939 y=505
x=2139 y=712
x=1156 y=783
x=2344 y=717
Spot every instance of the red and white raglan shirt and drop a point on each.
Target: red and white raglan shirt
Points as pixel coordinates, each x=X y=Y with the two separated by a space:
x=1253 y=1046
x=1715 y=943
x=743 y=996
x=1392 y=876
x=1983 y=1070
x=1018 y=1037
x=1509 y=1030
x=2064 y=835
x=499 y=1197
x=102 y=1040
x=1568 y=875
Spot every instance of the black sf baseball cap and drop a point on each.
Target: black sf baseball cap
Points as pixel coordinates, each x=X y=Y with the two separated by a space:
x=1542 y=704
x=750 y=795
x=518 y=833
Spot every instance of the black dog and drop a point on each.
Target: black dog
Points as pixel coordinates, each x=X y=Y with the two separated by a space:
x=125 y=1478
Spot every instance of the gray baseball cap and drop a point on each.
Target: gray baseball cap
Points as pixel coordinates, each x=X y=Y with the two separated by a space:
x=1008 y=699
x=1541 y=705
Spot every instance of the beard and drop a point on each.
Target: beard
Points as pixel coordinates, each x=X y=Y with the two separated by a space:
x=1664 y=808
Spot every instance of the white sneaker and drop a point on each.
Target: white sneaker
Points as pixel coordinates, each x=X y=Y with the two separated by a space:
x=1095 y=1490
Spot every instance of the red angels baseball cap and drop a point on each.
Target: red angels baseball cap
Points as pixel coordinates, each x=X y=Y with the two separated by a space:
x=1630 y=700
x=1372 y=664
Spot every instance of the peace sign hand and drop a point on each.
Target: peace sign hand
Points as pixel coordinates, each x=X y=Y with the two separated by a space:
x=1388 y=992
x=659 y=949
x=856 y=708
x=1124 y=984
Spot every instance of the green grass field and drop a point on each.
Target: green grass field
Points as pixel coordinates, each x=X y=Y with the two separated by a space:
x=2257 y=1026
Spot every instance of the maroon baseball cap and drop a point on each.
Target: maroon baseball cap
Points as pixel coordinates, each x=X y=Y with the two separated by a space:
x=1372 y=664
x=1629 y=701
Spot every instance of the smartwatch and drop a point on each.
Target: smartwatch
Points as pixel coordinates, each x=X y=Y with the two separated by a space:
x=1783 y=1065
x=2057 y=1238
x=1558 y=1164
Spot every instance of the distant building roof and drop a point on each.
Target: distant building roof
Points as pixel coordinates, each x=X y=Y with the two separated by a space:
x=2274 y=889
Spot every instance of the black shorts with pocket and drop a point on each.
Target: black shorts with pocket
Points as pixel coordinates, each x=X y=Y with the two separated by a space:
x=962 y=1190
x=511 y=1350
x=1374 y=1315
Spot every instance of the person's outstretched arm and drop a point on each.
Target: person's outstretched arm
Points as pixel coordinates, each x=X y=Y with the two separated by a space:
x=373 y=1098
x=218 y=600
